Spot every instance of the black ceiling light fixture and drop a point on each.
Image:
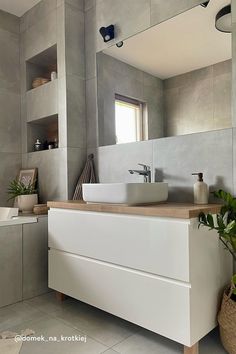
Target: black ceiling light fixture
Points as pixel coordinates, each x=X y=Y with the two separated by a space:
x=107 y=33
x=223 y=21
x=205 y=3
x=119 y=44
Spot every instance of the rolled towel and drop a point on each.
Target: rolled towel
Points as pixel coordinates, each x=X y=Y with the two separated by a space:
x=87 y=176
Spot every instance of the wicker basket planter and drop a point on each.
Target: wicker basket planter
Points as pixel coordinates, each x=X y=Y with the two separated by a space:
x=227 y=322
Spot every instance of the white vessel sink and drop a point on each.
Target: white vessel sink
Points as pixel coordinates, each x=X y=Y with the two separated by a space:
x=125 y=193
x=8 y=213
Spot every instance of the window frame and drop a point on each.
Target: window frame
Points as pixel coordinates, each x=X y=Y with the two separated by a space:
x=140 y=121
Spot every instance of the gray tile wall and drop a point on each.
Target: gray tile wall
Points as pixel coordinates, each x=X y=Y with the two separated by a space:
x=35 y=258
x=10 y=127
x=61 y=22
x=233 y=4
x=52 y=172
x=117 y=77
x=174 y=158
x=199 y=101
x=11 y=264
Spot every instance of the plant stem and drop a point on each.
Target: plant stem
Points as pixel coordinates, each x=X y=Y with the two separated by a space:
x=229 y=249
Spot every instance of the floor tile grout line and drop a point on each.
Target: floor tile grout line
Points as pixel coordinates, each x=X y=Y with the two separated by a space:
x=82 y=330
x=125 y=339
x=27 y=320
x=63 y=322
x=69 y=324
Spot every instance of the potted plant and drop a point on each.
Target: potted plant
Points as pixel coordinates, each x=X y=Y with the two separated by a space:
x=225 y=225
x=26 y=195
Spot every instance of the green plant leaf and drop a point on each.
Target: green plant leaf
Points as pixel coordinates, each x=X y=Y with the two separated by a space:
x=210 y=220
x=225 y=221
x=230 y=227
x=17 y=188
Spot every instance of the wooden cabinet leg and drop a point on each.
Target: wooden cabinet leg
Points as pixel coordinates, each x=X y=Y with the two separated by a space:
x=192 y=350
x=60 y=296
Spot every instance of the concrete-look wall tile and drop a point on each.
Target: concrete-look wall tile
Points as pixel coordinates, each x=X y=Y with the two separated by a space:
x=10 y=125
x=10 y=264
x=42 y=101
x=188 y=78
x=62 y=111
x=162 y=10
x=113 y=162
x=91 y=113
x=199 y=100
x=233 y=11
x=52 y=173
x=234 y=74
x=117 y=77
x=9 y=22
x=78 y=4
x=76 y=114
x=61 y=45
x=37 y=13
x=23 y=23
x=174 y=159
x=222 y=68
x=10 y=61
x=88 y=4
x=234 y=161
x=74 y=42
x=10 y=166
x=90 y=43
x=23 y=119
x=76 y=158
x=222 y=90
x=129 y=17
x=40 y=36
x=35 y=258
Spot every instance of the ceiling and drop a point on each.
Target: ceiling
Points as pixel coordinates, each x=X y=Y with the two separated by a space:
x=182 y=44
x=17 y=7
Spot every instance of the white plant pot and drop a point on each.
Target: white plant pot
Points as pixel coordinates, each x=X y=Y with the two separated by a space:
x=27 y=202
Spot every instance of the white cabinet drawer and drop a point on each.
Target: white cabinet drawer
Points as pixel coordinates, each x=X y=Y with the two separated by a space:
x=155 y=245
x=157 y=304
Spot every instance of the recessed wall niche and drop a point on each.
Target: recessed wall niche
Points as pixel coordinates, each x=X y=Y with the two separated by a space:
x=41 y=66
x=44 y=129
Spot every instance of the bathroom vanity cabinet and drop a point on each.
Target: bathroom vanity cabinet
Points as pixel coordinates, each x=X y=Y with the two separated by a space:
x=156 y=270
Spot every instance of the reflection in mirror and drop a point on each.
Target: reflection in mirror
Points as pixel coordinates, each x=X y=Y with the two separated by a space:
x=129 y=122
x=172 y=79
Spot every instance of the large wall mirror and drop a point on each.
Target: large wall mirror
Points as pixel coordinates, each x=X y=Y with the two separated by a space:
x=172 y=79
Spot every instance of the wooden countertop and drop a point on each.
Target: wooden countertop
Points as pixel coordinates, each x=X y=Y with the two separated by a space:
x=172 y=210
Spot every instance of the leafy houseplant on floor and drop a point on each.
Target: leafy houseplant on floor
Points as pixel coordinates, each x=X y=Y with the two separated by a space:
x=225 y=225
x=26 y=196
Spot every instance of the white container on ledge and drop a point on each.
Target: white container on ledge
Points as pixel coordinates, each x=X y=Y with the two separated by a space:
x=26 y=202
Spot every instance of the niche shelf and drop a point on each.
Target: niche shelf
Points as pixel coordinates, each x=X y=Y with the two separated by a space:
x=42 y=101
x=44 y=129
x=41 y=65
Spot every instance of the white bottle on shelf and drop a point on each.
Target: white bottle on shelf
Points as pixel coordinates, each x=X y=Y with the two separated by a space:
x=200 y=190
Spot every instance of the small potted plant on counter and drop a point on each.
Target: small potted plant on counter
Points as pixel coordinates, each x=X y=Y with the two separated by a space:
x=26 y=195
x=225 y=225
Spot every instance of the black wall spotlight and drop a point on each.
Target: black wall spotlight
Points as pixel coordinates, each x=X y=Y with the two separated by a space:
x=119 y=44
x=107 y=33
x=204 y=4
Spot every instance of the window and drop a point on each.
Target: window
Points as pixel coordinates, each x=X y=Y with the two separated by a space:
x=128 y=120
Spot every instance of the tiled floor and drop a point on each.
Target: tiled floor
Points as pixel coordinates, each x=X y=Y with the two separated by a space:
x=105 y=333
